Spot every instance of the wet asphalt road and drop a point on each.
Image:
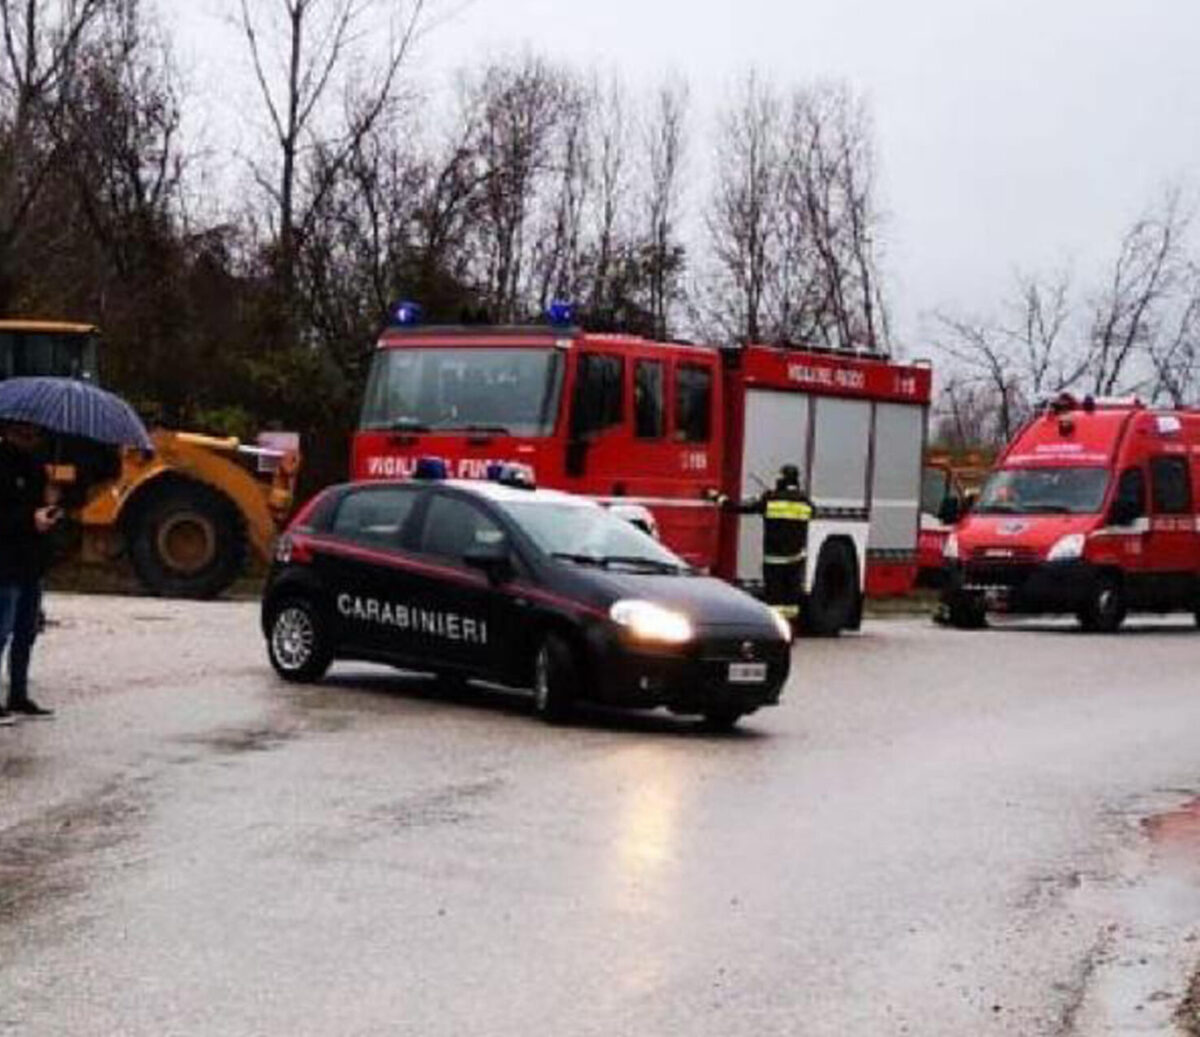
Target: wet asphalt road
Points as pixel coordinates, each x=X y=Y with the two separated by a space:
x=937 y=833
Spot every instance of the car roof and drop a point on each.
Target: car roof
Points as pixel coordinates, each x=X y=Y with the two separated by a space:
x=492 y=491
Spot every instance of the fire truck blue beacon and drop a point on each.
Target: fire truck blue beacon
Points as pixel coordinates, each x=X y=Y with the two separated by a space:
x=503 y=582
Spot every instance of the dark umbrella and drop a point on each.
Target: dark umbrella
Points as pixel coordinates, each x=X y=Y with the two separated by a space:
x=73 y=408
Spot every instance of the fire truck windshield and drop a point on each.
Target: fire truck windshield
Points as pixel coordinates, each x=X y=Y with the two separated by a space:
x=62 y=354
x=1028 y=491
x=486 y=389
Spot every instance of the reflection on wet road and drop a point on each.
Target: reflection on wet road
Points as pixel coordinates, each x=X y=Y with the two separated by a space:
x=937 y=833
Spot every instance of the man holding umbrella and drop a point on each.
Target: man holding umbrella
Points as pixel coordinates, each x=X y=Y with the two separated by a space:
x=26 y=517
x=29 y=408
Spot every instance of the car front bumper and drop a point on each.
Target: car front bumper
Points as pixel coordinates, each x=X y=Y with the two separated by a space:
x=694 y=678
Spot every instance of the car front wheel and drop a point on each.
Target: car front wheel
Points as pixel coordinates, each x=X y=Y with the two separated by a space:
x=555 y=678
x=298 y=642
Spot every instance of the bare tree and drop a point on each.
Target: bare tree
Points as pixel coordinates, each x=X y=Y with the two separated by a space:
x=665 y=143
x=745 y=214
x=319 y=47
x=42 y=41
x=611 y=147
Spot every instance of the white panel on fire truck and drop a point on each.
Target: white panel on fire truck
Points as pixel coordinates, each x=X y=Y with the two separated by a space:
x=776 y=434
x=839 y=470
x=896 y=481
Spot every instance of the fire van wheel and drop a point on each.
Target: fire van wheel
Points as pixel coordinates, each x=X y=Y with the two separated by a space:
x=830 y=606
x=187 y=542
x=1105 y=609
x=555 y=678
x=298 y=641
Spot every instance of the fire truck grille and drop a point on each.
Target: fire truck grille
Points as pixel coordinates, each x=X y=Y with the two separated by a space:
x=996 y=575
x=994 y=555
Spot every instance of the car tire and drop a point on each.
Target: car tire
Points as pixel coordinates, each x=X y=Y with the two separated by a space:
x=555 y=679
x=186 y=541
x=1105 y=609
x=298 y=642
x=829 y=609
x=723 y=719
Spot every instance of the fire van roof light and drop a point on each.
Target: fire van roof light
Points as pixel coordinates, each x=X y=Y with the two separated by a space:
x=407 y=314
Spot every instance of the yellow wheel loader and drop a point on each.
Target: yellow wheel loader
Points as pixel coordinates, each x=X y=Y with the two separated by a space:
x=190 y=515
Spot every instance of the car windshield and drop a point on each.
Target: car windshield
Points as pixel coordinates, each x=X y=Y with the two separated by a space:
x=60 y=354
x=584 y=535
x=503 y=391
x=1066 y=491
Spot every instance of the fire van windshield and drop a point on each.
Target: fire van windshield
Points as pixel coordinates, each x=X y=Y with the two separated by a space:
x=464 y=389
x=1045 y=491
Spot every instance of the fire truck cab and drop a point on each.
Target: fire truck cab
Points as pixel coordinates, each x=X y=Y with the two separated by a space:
x=1091 y=511
x=669 y=426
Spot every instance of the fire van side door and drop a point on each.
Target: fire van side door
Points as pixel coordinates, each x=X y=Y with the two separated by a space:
x=1171 y=547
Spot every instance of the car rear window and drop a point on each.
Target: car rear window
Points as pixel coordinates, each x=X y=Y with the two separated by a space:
x=373 y=516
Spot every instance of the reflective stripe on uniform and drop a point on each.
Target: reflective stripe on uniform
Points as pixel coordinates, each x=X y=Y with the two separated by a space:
x=787 y=611
x=784 y=559
x=789 y=510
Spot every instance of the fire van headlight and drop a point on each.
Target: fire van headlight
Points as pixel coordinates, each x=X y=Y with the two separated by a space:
x=649 y=622
x=1067 y=548
x=950 y=548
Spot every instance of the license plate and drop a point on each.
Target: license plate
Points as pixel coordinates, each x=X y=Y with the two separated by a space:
x=747 y=673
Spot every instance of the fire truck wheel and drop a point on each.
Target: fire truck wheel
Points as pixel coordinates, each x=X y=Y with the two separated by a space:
x=830 y=606
x=967 y=612
x=186 y=541
x=298 y=642
x=555 y=677
x=1105 y=609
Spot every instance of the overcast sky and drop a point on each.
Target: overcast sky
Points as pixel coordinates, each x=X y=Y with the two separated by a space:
x=1011 y=133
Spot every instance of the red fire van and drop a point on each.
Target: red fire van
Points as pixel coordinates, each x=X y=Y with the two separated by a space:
x=1091 y=511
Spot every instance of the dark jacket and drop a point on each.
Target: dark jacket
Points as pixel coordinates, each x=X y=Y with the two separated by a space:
x=786 y=512
x=23 y=550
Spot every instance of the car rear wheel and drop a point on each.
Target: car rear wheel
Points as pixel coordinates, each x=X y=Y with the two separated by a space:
x=298 y=641
x=555 y=679
x=1105 y=609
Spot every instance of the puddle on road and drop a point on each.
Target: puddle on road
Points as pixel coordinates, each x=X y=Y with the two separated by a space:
x=1177 y=830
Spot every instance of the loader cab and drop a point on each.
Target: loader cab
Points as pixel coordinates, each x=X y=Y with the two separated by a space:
x=49 y=348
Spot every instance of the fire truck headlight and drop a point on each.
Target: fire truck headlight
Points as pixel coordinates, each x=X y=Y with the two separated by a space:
x=649 y=622
x=1067 y=548
x=950 y=548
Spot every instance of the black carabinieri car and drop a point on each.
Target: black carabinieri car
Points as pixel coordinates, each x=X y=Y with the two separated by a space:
x=523 y=587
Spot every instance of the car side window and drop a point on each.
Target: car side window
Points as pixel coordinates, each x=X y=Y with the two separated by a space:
x=1131 y=493
x=373 y=516
x=453 y=526
x=1171 y=486
x=693 y=403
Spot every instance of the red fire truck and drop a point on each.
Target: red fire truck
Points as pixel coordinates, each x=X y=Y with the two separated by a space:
x=630 y=421
x=1091 y=511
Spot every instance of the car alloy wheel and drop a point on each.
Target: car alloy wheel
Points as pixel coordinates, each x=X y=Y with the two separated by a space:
x=293 y=638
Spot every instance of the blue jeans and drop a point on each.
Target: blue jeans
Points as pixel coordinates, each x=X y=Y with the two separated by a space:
x=20 y=606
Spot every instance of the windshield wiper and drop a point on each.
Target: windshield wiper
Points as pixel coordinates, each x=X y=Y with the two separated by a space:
x=1050 y=509
x=498 y=430
x=407 y=425
x=657 y=565
x=578 y=559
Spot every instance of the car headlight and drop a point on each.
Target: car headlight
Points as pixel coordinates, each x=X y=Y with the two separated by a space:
x=783 y=626
x=649 y=622
x=1067 y=548
x=950 y=548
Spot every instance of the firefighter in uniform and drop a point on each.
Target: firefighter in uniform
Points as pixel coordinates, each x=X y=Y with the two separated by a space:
x=786 y=511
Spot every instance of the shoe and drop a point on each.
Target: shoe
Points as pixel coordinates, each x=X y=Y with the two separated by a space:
x=6 y=718
x=29 y=708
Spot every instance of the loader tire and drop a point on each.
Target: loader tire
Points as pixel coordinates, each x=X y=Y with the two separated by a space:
x=187 y=541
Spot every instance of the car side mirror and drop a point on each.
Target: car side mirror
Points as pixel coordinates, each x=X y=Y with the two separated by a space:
x=493 y=560
x=951 y=510
x=1124 y=512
